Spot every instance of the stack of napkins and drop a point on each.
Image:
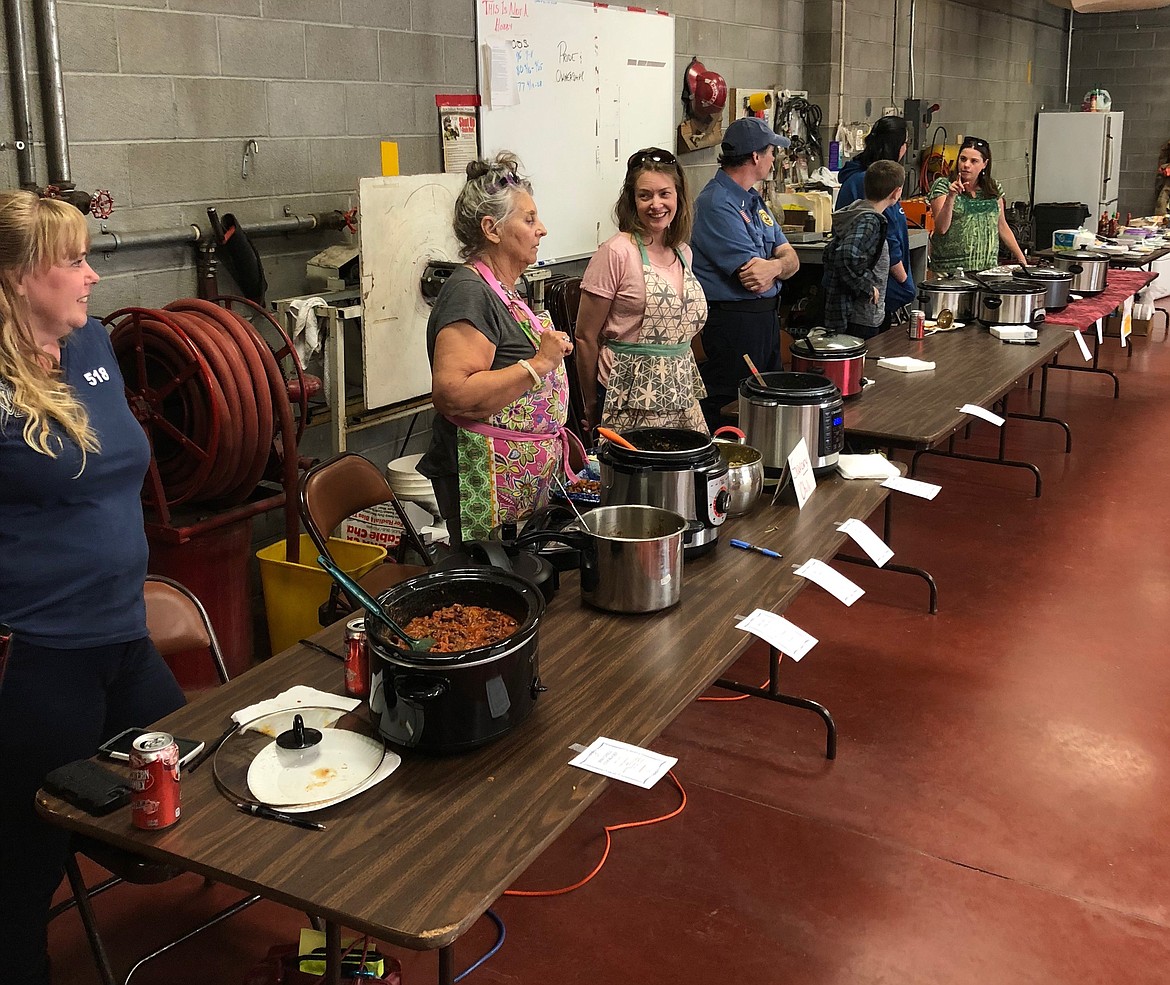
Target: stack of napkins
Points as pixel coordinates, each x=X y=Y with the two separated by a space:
x=872 y=466
x=1014 y=333
x=294 y=701
x=905 y=364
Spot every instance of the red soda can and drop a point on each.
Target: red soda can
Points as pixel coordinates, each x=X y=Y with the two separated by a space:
x=154 y=764
x=357 y=659
x=917 y=327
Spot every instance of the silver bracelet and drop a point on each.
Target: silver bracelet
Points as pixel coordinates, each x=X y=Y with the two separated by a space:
x=531 y=372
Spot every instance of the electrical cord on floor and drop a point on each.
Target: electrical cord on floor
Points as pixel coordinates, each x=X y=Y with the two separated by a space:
x=730 y=697
x=501 y=933
x=609 y=829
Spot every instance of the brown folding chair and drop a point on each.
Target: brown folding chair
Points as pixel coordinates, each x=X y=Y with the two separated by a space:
x=177 y=623
x=339 y=488
x=564 y=298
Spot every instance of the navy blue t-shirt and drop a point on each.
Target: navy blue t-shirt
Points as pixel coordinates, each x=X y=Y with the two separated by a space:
x=73 y=549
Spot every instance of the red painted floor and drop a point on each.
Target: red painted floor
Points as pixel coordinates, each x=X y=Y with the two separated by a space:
x=999 y=810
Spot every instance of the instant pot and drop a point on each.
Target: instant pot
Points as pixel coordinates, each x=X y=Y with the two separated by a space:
x=839 y=358
x=672 y=468
x=776 y=410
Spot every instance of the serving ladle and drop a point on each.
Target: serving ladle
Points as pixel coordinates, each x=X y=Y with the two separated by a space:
x=374 y=607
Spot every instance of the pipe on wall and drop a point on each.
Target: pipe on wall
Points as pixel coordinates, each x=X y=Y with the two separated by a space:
x=111 y=241
x=52 y=92
x=21 y=109
x=910 y=50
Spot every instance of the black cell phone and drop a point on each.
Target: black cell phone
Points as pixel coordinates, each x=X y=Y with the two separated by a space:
x=118 y=748
x=87 y=785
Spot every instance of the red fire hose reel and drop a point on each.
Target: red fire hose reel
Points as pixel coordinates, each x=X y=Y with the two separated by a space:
x=222 y=410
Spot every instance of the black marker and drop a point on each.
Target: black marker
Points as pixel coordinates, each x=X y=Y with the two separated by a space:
x=259 y=810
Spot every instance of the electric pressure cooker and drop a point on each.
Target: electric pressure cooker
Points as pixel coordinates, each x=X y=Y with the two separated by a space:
x=778 y=409
x=672 y=468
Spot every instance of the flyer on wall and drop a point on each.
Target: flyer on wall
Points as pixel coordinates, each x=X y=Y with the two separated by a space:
x=458 y=130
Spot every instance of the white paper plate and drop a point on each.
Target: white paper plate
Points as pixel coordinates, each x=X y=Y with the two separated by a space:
x=345 y=762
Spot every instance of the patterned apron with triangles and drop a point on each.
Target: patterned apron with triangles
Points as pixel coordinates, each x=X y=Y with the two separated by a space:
x=654 y=381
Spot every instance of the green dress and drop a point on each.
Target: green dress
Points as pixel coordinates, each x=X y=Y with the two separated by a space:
x=972 y=241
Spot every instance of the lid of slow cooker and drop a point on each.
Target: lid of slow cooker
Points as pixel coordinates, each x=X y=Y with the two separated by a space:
x=819 y=344
x=790 y=388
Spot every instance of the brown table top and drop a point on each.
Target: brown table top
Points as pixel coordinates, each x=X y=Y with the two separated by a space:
x=919 y=410
x=416 y=860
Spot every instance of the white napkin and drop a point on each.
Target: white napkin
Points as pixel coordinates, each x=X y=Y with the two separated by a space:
x=292 y=700
x=905 y=364
x=873 y=466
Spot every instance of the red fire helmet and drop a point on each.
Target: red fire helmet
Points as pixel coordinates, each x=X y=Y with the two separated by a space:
x=707 y=91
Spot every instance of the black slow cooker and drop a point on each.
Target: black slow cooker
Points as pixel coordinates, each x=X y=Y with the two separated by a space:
x=450 y=702
x=675 y=469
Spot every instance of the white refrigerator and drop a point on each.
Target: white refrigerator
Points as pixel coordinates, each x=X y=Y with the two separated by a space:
x=1078 y=157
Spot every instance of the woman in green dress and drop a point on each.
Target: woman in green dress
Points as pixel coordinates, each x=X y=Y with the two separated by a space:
x=969 y=219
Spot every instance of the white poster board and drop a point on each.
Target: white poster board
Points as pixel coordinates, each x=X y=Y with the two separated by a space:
x=577 y=89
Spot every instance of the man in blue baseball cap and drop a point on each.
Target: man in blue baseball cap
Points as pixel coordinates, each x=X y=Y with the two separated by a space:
x=741 y=258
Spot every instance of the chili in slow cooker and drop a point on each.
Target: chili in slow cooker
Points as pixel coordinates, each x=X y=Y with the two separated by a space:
x=462 y=627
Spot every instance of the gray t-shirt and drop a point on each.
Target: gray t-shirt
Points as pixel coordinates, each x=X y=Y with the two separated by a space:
x=465 y=297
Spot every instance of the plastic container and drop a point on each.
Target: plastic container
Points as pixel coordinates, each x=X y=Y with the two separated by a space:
x=1064 y=239
x=293 y=592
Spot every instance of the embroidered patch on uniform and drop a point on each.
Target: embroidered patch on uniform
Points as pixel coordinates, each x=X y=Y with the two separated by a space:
x=746 y=218
x=766 y=218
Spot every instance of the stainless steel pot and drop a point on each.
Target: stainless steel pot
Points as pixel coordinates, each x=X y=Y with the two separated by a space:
x=631 y=556
x=1089 y=269
x=838 y=358
x=1009 y=301
x=449 y=702
x=745 y=471
x=1057 y=284
x=954 y=293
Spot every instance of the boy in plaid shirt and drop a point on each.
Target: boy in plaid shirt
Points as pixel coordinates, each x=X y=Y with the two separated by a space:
x=857 y=259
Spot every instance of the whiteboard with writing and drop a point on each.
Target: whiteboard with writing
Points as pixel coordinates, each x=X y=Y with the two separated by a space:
x=574 y=89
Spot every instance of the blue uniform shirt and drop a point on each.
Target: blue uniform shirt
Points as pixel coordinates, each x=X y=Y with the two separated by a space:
x=731 y=226
x=72 y=547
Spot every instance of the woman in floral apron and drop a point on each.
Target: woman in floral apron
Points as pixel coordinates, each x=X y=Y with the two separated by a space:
x=641 y=306
x=498 y=380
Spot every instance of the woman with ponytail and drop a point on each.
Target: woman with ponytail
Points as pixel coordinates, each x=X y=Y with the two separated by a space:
x=79 y=667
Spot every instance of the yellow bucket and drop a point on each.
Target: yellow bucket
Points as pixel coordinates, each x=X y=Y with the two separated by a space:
x=293 y=591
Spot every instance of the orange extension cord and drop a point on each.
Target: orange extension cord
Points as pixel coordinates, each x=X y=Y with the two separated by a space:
x=609 y=829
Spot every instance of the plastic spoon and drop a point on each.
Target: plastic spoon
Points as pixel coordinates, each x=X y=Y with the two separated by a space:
x=611 y=435
x=373 y=606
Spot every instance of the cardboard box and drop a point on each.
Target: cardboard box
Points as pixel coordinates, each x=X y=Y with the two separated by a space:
x=1141 y=326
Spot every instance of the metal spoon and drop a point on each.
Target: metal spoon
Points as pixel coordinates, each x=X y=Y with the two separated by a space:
x=373 y=606
x=569 y=500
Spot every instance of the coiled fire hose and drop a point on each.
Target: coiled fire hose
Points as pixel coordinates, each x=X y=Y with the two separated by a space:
x=220 y=412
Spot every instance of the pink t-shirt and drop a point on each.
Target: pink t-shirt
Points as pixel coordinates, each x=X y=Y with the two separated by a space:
x=615 y=273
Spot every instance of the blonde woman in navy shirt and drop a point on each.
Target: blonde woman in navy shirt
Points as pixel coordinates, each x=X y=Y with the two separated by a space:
x=80 y=667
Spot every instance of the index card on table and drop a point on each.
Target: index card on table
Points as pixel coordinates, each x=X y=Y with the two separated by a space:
x=785 y=636
x=982 y=412
x=878 y=550
x=804 y=482
x=1083 y=344
x=622 y=761
x=831 y=580
x=915 y=487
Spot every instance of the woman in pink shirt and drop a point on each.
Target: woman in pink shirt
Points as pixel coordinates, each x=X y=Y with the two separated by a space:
x=641 y=305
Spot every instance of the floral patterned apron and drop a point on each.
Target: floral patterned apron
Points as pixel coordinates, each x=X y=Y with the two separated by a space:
x=655 y=381
x=508 y=462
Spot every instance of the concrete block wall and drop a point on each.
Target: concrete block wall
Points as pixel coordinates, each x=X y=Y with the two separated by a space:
x=1126 y=54
x=989 y=65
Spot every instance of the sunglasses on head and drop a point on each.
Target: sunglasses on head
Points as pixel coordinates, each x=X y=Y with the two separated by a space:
x=501 y=181
x=977 y=142
x=652 y=154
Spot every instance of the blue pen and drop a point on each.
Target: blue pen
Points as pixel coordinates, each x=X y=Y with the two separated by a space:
x=743 y=545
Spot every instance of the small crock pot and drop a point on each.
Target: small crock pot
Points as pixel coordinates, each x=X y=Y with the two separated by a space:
x=1057 y=283
x=838 y=358
x=954 y=293
x=1089 y=269
x=675 y=469
x=449 y=702
x=1010 y=301
x=778 y=409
